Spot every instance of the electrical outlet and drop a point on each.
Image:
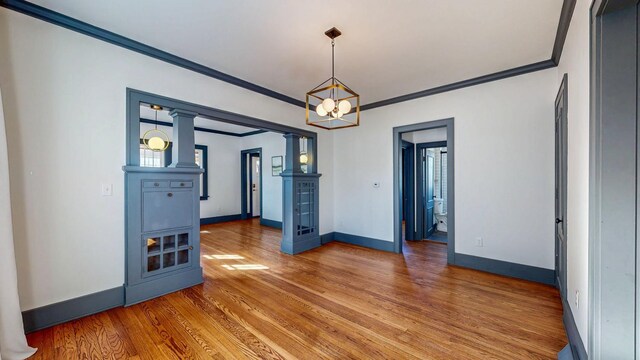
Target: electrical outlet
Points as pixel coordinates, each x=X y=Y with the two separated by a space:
x=479 y=242
x=107 y=189
x=577 y=299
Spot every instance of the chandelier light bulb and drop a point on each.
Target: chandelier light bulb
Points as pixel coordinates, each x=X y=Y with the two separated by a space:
x=344 y=106
x=321 y=111
x=303 y=159
x=340 y=113
x=156 y=143
x=328 y=104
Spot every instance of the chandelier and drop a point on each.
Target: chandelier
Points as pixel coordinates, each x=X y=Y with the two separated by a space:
x=155 y=139
x=330 y=105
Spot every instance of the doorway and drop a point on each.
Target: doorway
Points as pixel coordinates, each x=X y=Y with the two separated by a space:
x=401 y=207
x=431 y=191
x=561 y=188
x=251 y=183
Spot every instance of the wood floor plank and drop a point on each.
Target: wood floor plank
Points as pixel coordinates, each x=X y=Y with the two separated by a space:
x=337 y=301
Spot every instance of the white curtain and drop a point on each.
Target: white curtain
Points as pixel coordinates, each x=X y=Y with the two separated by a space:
x=13 y=344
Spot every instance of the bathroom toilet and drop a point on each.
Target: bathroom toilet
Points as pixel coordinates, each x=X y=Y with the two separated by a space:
x=440 y=215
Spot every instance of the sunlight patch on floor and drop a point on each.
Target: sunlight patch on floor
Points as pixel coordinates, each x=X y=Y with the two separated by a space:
x=223 y=257
x=245 y=267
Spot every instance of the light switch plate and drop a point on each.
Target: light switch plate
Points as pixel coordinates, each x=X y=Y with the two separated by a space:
x=107 y=189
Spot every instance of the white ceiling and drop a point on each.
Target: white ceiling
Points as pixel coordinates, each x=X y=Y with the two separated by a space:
x=388 y=48
x=163 y=115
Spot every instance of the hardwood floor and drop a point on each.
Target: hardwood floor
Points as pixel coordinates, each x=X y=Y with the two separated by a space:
x=337 y=301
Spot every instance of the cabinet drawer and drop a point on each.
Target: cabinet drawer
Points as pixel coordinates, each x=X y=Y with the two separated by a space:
x=166 y=210
x=182 y=184
x=155 y=184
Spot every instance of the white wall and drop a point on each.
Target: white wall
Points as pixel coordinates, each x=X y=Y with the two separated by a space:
x=575 y=63
x=64 y=100
x=272 y=144
x=504 y=167
x=431 y=135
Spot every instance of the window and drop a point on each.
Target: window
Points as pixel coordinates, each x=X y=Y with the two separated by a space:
x=150 y=158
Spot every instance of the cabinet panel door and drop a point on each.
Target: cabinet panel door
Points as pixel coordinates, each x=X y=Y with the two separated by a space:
x=155 y=210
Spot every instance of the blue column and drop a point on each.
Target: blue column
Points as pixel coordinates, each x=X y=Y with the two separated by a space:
x=183 y=153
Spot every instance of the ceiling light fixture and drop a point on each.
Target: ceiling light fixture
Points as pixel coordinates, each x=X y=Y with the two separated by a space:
x=330 y=106
x=155 y=139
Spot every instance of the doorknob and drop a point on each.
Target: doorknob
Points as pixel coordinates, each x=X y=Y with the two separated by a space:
x=558 y=221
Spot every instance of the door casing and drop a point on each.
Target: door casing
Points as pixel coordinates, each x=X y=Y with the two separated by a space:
x=245 y=161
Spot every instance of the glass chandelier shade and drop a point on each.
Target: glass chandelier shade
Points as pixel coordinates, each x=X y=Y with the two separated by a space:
x=156 y=139
x=332 y=104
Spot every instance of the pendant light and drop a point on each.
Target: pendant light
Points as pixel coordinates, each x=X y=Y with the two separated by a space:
x=156 y=139
x=332 y=104
x=303 y=154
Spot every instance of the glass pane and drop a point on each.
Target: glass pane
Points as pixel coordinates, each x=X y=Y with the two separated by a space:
x=153 y=263
x=183 y=257
x=169 y=243
x=168 y=259
x=153 y=244
x=183 y=239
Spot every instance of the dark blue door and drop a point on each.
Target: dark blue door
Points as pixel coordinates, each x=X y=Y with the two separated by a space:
x=429 y=178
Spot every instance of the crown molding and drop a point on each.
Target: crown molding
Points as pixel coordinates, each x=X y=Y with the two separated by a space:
x=68 y=22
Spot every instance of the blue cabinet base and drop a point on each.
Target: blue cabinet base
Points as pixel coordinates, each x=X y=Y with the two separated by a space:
x=147 y=290
x=292 y=248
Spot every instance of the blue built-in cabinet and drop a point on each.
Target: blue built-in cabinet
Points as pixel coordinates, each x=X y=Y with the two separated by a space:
x=163 y=231
x=301 y=199
x=162 y=215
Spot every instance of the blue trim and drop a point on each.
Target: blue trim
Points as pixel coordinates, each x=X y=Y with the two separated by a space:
x=408 y=179
x=219 y=219
x=205 y=174
x=271 y=223
x=70 y=23
x=519 y=271
x=326 y=238
x=372 y=243
x=542 y=65
x=575 y=341
x=61 y=312
x=565 y=353
x=201 y=129
x=563 y=28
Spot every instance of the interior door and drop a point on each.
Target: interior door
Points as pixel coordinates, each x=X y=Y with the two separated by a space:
x=255 y=185
x=561 y=188
x=429 y=194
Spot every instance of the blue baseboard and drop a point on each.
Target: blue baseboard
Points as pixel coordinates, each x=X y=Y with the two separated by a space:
x=326 y=238
x=519 y=271
x=219 y=219
x=371 y=243
x=271 y=223
x=58 y=313
x=575 y=341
